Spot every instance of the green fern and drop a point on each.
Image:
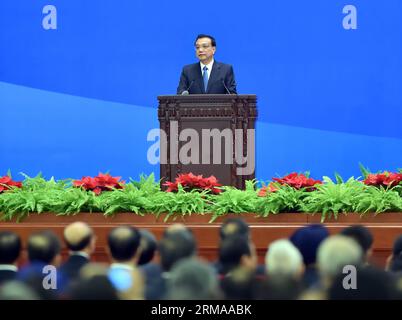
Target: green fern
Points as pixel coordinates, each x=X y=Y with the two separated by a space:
x=330 y=199
x=285 y=199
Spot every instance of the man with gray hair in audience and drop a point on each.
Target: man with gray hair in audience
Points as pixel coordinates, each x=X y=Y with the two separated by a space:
x=192 y=279
x=334 y=254
x=285 y=268
x=284 y=259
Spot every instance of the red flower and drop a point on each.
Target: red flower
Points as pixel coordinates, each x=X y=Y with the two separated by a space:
x=87 y=183
x=385 y=179
x=190 y=181
x=298 y=181
x=269 y=188
x=6 y=183
x=97 y=191
x=108 y=182
x=372 y=180
x=102 y=182
x=172 y=186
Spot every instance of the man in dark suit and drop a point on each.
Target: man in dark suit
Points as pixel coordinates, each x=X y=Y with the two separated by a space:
x=80 y=240
x=10 y=247
x=44 y=251
x=207 y=76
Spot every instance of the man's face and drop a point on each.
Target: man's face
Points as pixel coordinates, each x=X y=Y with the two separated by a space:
x=204 y=50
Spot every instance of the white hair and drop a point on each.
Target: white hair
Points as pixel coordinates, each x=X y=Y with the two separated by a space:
x=335 y=252
x=283 y=258
x=192 y=279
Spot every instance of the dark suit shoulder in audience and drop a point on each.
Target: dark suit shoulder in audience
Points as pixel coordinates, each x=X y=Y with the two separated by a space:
x=7 y=275
x=71 y=268
x=155 y=283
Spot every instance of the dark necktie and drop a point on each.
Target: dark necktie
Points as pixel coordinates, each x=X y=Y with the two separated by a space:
x=205 y=77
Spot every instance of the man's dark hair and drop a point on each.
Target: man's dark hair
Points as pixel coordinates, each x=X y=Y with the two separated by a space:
x=185 y=231
x=124 y=242
x=175 y=247
x=10 y=247
x=213 y=42
x=396 y=261
x=397 y=247
x=231 y=250
x=308 y=239
x=148 y=247
x=43 y=246
x=234 y=227
x=396 y=264
x=361 y=235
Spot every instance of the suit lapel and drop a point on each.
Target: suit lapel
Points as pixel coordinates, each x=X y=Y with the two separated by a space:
x=198 y=77
x=214 y=75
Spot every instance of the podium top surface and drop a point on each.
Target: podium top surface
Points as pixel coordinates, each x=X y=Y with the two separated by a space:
x=207 y=96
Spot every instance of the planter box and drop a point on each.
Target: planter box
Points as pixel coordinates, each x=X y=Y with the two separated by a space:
x=386 y=227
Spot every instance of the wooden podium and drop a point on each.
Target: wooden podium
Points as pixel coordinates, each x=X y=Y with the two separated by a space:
x=208 y=135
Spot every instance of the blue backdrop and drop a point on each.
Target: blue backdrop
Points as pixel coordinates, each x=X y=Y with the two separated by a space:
x=81 y=98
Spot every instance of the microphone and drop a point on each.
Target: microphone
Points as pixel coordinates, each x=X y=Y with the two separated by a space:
x=187 y=91
x=227 y=90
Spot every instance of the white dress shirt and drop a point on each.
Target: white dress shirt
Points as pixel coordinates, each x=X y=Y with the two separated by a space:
x=209 y=66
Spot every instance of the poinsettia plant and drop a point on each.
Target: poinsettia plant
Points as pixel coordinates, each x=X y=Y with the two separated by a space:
x=295 y=180
x=385 y=179
x=6 y=183
x=267 y=189
x=102 y=182
x=189 y=182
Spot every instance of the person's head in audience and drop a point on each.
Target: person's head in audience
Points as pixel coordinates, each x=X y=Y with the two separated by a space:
x=175 y=247
x=123 y=243
x=16 y=290
x=10 y=247
x=148 y=247
x=394 y=261
x=278 y=288
x=176 y=228
x=79 y=237
x=334 y=254
x=44 y=247
x=234 y=227
x=43 y=250
x=397 y=247
x=128 y=282
x=239 y=284
x=92 y=269
x=283 y=259
x=191 y=279
x=307 y=240
x=94 y=288
x=237 y=251
x=369 y=284
x=362 y=236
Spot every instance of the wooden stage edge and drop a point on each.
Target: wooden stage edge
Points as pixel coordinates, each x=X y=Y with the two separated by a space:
x=385 y=227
